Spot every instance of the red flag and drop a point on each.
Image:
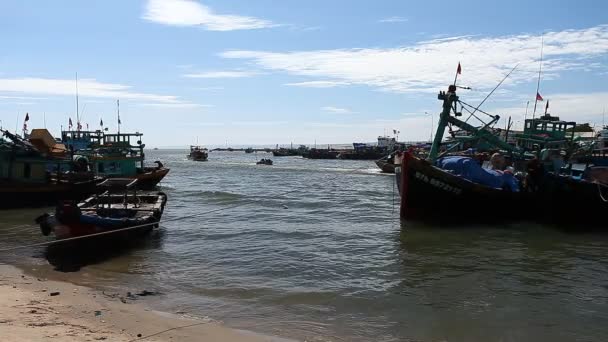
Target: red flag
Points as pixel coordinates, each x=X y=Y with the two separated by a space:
x=547 y=107
x=27 y=117
x=538 y=97
x=459 y=70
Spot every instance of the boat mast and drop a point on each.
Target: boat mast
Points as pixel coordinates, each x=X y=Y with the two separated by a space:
x=77 y=111
x=540 y=69
x=448 y=98
x=118 y=114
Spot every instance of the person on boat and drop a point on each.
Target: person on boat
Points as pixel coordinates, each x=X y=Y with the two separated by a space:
x=497 y=162
x=159 y=165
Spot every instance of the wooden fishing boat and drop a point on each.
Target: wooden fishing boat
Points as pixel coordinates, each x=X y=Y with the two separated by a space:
x=386 y=166
x=431 y=193
x=106 y=212
x=198 y=153
x=30 y=178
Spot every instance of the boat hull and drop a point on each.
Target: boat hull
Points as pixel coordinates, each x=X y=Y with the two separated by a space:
x=23 y=195
x=386 y=166
x=431 y=194
x=149 y=178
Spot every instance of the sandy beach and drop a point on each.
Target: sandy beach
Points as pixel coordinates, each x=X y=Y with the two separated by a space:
x=35 y=309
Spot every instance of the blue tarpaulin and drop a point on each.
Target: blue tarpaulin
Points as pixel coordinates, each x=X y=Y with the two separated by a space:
x=470 y=169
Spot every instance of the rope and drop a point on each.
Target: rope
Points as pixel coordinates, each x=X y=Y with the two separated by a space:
x=599 y=190
x=48 y=243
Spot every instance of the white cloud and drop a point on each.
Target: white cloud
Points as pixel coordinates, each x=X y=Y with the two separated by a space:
x=193 y=13
x=430 y=65
x=86 y=88
x=318 y=84
x=336 y=110
x=221 y=74
x=393 y=20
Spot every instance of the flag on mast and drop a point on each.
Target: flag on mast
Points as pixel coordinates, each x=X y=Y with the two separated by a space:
x=547 y=107
x=538 y=97
x=101 y=122
x=27 y=118
x=70 y=123
x=459 y=69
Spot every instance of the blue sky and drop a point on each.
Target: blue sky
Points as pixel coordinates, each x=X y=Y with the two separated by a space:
x=266 y=72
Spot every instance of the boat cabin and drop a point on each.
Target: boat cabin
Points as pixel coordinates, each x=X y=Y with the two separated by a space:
x=81 y=140
x=120 y=154
x=546 y=132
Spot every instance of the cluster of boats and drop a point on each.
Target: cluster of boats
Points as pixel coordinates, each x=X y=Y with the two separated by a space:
x=97 y=180
x=543 y=173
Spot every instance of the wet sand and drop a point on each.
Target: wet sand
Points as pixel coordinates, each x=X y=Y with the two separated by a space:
x=36 y=309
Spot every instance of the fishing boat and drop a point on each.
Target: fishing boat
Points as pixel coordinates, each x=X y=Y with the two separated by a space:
x=264 y=162
x=388 y=163
x=319 y=153
x=106 y=212
x=117 y=156
x=249 y=150
x=29 y=177
x=198 y=153
x=457 y=188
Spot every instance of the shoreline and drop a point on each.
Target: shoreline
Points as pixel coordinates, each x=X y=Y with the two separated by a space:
x=37 y=309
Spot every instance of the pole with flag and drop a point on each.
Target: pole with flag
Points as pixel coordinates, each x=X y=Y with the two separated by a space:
x=540 y=69
x=70 y=124
x=27 y=118
x=118 y=113
x=101 y=124
x=526 y=115
x=458 y=72
x=547 y=107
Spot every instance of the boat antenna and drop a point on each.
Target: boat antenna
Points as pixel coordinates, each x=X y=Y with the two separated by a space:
x=492 y=92
x=118 y=113
x=526 y=114
x=540 y=69
x=77 y=110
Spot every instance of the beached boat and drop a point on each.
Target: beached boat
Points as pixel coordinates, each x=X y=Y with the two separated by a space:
x=198 y=153
x=106 y=212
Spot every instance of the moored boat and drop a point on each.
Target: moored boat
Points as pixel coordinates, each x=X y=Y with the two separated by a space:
x=106 y=212
x=29 y=177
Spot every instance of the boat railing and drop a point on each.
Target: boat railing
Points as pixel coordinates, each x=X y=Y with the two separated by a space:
x=126 y=184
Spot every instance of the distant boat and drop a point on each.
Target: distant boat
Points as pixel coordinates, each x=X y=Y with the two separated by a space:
x=106 y=212
x=264 y=162
x=198 y=153
x=156 y=149
x=317 y=153
x=249 y=150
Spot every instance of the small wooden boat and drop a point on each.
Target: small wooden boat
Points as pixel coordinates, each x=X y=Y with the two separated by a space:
x=107 y=211
x=198 y=153
x=264 y=162
x=388 y=163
